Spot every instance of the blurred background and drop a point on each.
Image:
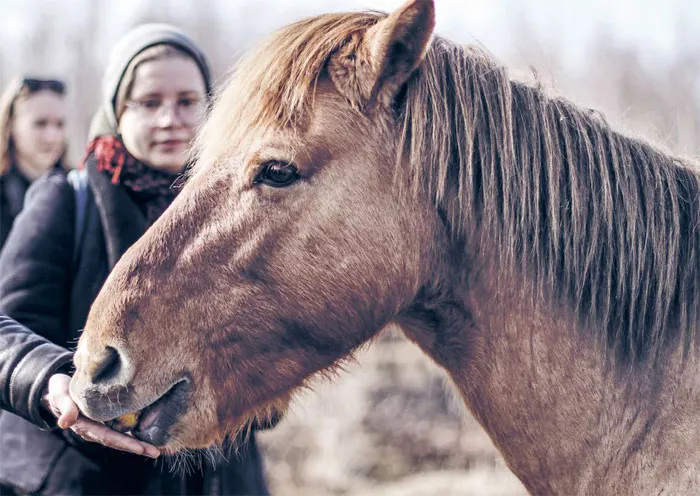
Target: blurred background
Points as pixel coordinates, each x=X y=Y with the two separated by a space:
x=390 y=425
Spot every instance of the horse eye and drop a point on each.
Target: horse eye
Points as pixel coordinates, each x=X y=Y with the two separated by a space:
x=277 y=174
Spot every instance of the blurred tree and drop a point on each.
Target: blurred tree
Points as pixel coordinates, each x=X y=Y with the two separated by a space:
x=657 y=98
x=86 y=74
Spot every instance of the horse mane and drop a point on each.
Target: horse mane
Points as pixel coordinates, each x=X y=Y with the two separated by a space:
x=606 y=222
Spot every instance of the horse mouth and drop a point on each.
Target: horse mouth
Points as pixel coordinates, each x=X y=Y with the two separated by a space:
x=152 y=424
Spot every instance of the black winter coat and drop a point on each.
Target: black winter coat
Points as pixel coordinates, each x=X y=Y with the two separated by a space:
x=42 y=288
x=13 y=187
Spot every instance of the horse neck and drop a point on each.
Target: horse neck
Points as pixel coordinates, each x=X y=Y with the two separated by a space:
x=566 y=421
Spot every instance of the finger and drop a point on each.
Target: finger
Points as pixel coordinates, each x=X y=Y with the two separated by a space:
x=59 y=383
x=94 y=432
x=52 y=391
x=57 y=397
x=150 y=450
x=101 y=434
x=68 y=411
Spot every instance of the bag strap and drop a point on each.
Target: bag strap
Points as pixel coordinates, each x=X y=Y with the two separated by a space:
x=79 y=180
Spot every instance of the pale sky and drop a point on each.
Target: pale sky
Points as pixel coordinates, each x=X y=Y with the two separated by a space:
x=660 y=27
x=560 y=31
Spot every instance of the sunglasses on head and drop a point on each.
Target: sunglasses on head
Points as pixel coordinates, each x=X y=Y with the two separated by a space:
x=33 y=85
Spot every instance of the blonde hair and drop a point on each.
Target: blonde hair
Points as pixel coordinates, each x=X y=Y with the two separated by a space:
x=15 y=91
x=157 y=52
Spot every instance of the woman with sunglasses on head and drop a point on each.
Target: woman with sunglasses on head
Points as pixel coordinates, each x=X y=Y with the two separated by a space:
x=155 y=90
x=32 y=140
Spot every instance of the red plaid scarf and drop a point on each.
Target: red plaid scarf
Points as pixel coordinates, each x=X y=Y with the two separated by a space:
x=152 y=189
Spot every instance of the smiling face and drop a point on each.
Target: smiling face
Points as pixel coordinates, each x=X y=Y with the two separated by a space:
x=162 y=111
x=288 y=248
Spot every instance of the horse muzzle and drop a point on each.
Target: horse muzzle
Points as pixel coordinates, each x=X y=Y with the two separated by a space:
x=150 y=420
x=152 y=424
x=103 y=388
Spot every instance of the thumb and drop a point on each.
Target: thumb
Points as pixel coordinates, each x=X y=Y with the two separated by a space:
x=68 y=410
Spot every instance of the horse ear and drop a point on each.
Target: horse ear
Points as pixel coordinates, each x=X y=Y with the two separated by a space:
x=397 y=46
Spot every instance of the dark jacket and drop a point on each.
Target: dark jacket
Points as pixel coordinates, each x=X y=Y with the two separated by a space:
x=42 y=288
x=26 y=361
x=13 y=187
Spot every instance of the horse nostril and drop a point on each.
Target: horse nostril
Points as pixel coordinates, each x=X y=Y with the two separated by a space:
x=108 y=367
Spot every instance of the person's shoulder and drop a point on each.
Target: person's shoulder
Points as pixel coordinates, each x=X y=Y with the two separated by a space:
x=49 y=198
x=55 y=177
x=52 y=185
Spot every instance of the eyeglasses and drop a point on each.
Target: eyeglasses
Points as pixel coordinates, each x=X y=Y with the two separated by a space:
x=34 y=85
x=188 y=109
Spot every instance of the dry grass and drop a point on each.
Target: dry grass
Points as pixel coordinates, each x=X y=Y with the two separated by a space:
x=389 y=426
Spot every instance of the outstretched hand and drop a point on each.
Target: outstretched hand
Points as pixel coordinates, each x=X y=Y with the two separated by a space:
x=58 y=400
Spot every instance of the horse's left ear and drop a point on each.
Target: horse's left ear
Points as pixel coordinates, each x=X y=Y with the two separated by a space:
x=397 y=45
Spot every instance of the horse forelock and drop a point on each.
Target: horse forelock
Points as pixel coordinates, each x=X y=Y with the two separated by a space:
x=605 y=220
x=273 y=86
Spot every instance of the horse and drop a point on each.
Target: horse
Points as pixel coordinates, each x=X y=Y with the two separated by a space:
x=357 y=170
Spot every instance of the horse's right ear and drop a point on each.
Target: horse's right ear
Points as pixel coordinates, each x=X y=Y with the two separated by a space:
x=396 y=46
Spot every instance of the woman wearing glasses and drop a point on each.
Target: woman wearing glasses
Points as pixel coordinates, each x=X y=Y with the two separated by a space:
x=155 y=90
x=32 y=140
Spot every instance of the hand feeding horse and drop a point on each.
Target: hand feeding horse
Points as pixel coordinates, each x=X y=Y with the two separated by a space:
x=358 y=171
